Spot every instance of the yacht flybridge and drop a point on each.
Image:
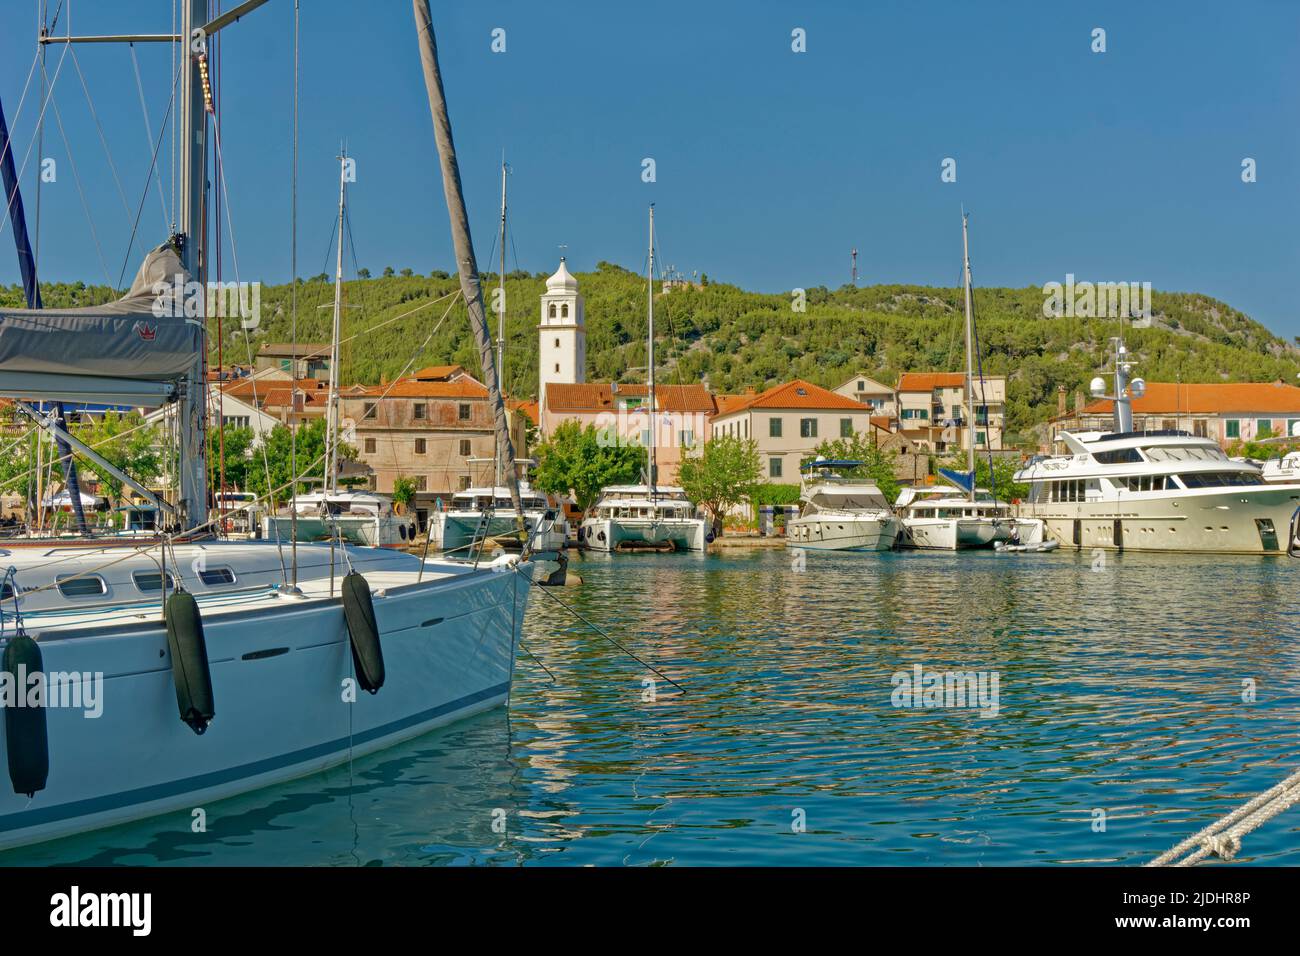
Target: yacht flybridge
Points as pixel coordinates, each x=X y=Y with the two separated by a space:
x=218 y=666
x=841 y=513
x=651 y=517
x=1162 y=490
x=628 y=517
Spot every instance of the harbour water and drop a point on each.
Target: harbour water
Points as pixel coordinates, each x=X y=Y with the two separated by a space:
x=1121 y=692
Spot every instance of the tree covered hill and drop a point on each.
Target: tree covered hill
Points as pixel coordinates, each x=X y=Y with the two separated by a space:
x=731 y=339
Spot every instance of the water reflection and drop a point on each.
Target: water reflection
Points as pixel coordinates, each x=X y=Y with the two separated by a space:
x=1120 y=691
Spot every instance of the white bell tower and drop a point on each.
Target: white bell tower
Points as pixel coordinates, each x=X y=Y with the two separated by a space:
x=562 y=355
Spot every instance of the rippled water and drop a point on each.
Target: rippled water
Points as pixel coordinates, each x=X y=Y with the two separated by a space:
x=1120 y=691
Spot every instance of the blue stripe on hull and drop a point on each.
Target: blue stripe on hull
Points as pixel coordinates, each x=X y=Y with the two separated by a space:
x=218 y=778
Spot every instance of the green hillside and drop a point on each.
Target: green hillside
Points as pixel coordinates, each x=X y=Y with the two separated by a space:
x=730 y=338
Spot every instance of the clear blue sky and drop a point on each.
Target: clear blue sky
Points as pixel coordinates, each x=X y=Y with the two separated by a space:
x=771 y=165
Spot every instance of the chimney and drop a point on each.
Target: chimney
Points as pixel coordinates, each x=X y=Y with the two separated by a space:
x=749 y=389
x=1060 y=400
x=383 y=381
x=1078 y=400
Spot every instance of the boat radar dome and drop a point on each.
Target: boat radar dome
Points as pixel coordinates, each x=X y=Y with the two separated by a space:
x=1137 y=388
x=1097 y=387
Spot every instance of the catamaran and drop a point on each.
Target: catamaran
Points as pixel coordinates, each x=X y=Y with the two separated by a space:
x=478 y=513
x=628 y=517
x=1165 y=490
x=214 y=667
x=939 y=518
x=841 y=513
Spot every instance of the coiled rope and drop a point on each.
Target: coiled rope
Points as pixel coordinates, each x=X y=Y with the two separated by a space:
x=1223 y=837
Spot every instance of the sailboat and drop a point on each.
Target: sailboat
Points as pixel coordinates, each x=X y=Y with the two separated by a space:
x=648 y=516
x=360 y=517
x=943 y=518
x=478 y=513
x=216 y=667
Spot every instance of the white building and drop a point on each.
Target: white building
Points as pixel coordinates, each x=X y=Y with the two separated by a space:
x=562 y=351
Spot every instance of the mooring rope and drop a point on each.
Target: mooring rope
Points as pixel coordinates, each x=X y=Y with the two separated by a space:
x=1223 y=837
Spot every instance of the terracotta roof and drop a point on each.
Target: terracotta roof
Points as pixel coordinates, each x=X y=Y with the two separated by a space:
x=528 y=409
x=262 y=386
x=465 y=387
x=601 y=396
x=1208 y=398
x=797 y=394
x=881 y=421
x=928 y=381
x=729 y=403
x=438 y=373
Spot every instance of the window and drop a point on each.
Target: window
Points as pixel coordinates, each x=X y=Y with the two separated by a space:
x=807 y=428
x=1219 y=479
x=464 y=448
x=564 y=311
x=369 y=410
x=774 y=467
x=916 y=413
x=215 y=576
x=150 y=581
x=463 y=410
x=1263 y=428
x=552 y=310
x=1233 y=427
x=686 y=438
x=1072 y=490
x=557 y=368
x=862 y=386
x=1168 y=424
x=88 y=585
x=557 y=343
x=982 y=415
x=284 y=365
x=1117 y=456
x=421 y=483
x=418 y=411
x=774 y=428
x=463 y=483
x=370 y=446
x=420 y=446
x=1198 y=428
x=645 y=438
x=981 y=438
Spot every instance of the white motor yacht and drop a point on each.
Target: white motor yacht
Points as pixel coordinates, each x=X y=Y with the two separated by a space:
x=841 y=513
x=358 y=517
x=1164 y=490
x=947 y=519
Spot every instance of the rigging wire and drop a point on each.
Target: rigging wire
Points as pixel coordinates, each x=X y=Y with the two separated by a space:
x=153 y=164
x=100 y=128
x=76 y=178
x=46 y=100
x=148 y=131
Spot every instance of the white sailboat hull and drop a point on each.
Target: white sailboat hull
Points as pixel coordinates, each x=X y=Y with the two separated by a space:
x=279 y=671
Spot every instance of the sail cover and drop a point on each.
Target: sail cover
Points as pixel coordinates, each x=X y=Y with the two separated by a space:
x=131 y=351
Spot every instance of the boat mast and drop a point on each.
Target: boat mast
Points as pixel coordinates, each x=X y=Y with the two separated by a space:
x=501 y=322
x=970 y=366
x=463 y=244
x=332 y=423
x=192 y=411
x=650 y=355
